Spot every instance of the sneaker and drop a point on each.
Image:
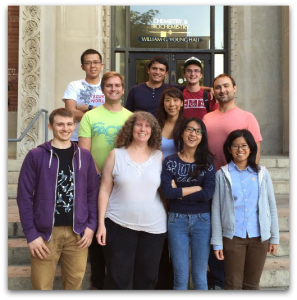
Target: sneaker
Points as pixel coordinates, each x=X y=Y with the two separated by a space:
x=214 y=287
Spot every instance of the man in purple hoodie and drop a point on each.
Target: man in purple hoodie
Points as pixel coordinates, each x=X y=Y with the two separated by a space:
x=57 y=199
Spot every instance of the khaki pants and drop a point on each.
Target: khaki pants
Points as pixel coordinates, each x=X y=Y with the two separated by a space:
x=62 y=246
x=244 y=262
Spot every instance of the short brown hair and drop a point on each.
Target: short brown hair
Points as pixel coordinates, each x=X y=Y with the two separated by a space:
x=225 y=75
x=110 y=74
x=125 y=136
x=63 y=112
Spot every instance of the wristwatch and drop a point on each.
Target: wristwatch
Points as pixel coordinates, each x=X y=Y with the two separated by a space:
x=90 y=107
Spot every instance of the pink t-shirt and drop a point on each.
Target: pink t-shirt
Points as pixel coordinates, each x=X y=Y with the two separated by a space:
x=219 y=125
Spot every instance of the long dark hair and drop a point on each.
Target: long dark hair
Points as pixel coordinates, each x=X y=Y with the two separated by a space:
x=203 y=157
x=246 y=134
x=162 y=114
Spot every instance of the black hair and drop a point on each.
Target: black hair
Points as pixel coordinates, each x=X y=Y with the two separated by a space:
x=90 y=51
x=159 y=59
x=246 y=134
x=162 y=114
x=203 y=157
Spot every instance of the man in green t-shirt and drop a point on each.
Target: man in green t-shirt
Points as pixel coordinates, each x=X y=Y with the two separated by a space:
x=97 y=133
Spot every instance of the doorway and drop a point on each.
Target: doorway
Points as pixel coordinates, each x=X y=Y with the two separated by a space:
x=138 y=67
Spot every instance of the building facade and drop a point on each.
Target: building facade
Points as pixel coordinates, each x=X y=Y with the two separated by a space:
x=251 y=43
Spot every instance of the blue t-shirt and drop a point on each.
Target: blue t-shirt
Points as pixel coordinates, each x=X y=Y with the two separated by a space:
x=167 y=147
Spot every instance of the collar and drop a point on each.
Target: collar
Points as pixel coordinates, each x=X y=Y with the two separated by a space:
x=232 y=166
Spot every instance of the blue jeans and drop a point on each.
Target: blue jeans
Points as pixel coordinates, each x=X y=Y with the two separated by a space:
x=185 y=230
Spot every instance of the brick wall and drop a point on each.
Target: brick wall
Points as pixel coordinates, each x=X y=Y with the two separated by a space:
x=13 y=54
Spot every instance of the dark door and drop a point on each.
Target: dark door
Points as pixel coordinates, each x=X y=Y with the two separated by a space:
x=138 y=67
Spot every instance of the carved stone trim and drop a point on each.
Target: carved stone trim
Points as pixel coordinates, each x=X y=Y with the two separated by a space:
x=29 y=77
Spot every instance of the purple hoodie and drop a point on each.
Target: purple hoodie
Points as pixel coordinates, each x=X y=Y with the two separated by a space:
x=36 y=195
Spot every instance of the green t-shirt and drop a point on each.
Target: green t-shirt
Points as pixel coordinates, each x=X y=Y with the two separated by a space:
x=102 y=126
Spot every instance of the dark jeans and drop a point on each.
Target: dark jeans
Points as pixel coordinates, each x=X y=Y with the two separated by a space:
x=216 y=274
x=165 y=278
x=97 y=263
x=132 y=258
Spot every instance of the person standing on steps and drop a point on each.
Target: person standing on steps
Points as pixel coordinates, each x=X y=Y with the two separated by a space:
x=244 y=214
x=219 y=123
x=145 y=96
x=57 y=200
x=132 y=218
x=198 y=101
x=170 y=117
x=83 y=95
x=97 y=133
x=188 y=182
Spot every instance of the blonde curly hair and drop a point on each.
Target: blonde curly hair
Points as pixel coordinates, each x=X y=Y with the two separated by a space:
x=125 y=136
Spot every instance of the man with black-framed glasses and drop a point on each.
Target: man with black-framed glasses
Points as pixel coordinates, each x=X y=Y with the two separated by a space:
x=85 y=94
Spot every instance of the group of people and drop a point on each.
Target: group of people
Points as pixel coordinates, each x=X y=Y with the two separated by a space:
x=140 y=187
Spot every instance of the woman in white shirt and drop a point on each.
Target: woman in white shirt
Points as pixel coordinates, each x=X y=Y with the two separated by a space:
x=132 y=218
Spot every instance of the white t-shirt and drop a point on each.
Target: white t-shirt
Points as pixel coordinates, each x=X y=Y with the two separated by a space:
x=83 y=93
x=134 y=201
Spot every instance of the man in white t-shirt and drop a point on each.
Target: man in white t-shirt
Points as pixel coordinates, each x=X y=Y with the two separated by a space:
x=85 y=94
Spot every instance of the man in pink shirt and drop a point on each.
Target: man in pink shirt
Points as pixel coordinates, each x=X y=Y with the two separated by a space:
x=226 y=118
x=219 y=124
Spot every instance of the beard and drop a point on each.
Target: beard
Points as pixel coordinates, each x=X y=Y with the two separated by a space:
x=225 y=100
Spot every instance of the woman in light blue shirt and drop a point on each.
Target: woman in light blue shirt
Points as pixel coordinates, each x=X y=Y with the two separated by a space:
x=170 y=116
x=244 y=214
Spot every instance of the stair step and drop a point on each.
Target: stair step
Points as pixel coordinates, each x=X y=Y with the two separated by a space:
x=276 y=272
x=19 y=278
x=275 y=275
x=275 y=161
x=13 y=177
x=281 y=174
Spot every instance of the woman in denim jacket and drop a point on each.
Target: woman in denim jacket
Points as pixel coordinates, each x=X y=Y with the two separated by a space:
x=244 y=214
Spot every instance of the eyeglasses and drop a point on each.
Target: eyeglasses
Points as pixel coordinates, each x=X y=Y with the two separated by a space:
x=89 y=63
x=237 y=147
x=196 y=71
x=191 y=129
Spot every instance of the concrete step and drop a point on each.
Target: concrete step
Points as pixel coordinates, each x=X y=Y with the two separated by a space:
x=275 y=161
x=19 y=278
x=15 y=227
x=276 y=174
x=13 y=177
x=276 y=272
x=278 y=167
x=19 y=254
x=280 y=187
